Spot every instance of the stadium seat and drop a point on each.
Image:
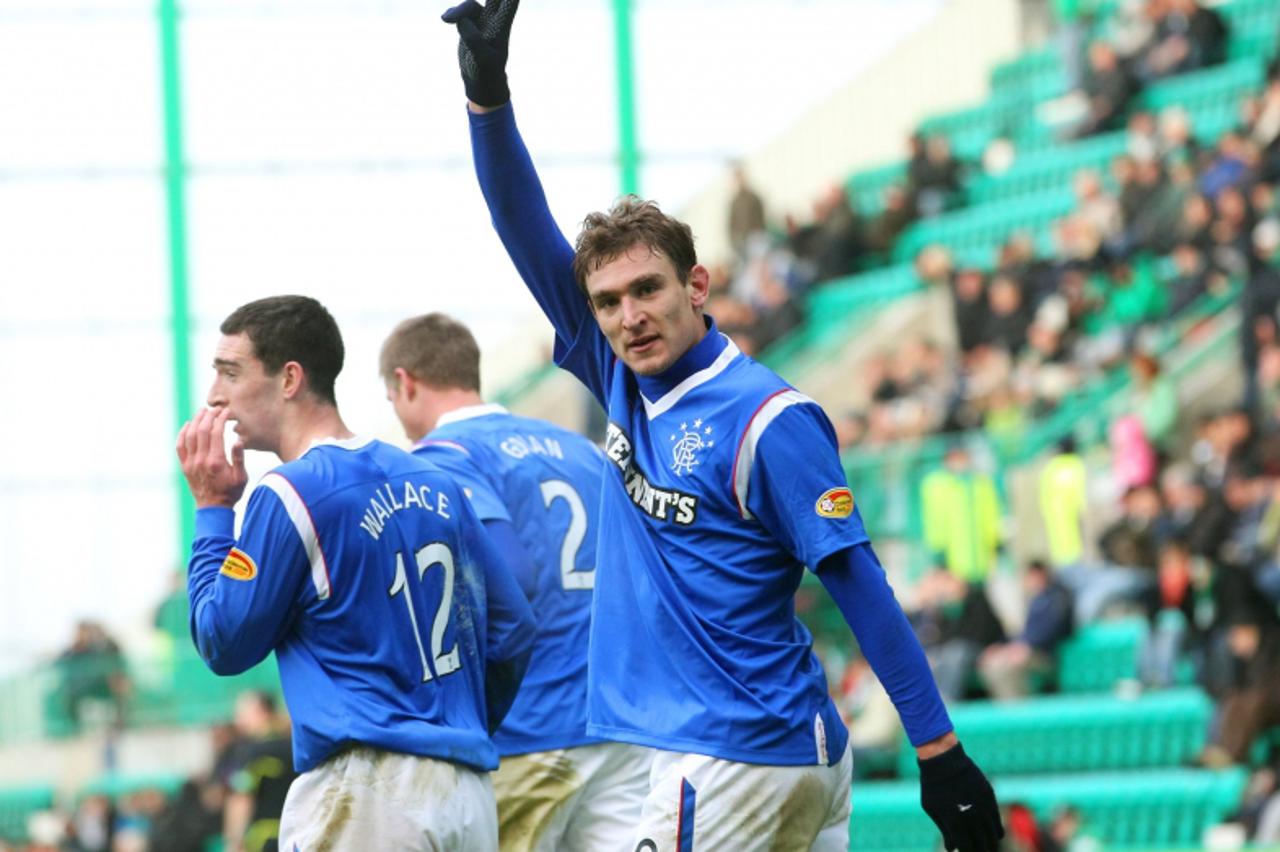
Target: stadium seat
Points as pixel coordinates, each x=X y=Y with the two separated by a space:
x=115 y=785
x=1100 y=654
x=866 y=187
x=982 y=229
x=1167 y=808
x=1227 y=82
x=836 y=304
x=1050 y=169
x=1068 y=733
x=17 y=804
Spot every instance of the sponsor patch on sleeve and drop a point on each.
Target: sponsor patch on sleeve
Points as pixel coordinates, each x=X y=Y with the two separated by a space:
x=239 y=565
x=835 y=503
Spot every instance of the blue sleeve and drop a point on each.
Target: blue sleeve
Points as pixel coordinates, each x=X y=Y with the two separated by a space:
x=465 y=469
x=510 y=630
x=541 y=254
x=857 y=583
x=796 y=486
x=244 y=594
x=503 y=535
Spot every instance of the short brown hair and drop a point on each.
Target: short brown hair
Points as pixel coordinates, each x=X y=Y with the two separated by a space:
x=631 y=222
x=292 y=328
x=433 y=348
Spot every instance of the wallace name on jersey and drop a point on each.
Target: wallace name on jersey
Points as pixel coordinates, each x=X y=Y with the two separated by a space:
x=388 y=498
x=664 y=504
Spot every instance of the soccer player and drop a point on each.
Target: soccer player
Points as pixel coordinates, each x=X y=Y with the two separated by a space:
x=725 y=482
x=536 y=487
x=399 y=631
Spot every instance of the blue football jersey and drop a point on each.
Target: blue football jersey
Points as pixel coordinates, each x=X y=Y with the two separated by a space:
x=545 y=481
x=367 y=572
x=724 y=482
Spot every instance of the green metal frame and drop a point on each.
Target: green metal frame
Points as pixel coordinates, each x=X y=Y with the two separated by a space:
x=175 y=175
x=628 y=147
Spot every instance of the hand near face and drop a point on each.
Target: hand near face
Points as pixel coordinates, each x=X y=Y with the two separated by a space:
x=213 y=479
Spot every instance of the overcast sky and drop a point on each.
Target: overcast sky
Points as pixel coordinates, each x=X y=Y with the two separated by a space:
x=329 y=155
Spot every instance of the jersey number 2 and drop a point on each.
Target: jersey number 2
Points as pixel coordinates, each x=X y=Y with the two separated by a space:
x=437 y=553
x=558 y=489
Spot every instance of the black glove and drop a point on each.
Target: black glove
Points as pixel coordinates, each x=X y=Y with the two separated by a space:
x=959 y=799
x=484 y=32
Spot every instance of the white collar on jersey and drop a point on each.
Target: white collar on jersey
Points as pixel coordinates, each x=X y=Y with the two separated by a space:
x=355 y=442
x=663 y=403
x=469 y=411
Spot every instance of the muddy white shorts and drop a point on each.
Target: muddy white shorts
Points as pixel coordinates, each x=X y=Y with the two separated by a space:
x=698 y=803
x=367 y=799
x=582 y=799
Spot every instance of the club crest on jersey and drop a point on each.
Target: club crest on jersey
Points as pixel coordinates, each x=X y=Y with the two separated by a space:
x=239 y=565
x=692 y=439
x=835 y=503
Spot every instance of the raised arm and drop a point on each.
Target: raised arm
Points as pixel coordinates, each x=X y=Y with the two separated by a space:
x=511 y=188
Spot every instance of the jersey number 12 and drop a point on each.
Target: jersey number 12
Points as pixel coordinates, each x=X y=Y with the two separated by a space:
x=437 y=553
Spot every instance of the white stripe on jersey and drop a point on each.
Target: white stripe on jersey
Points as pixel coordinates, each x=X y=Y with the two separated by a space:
x=706 y=374
x=746 y=457
x=431 y=442
x=301 y=517
x=467 y=412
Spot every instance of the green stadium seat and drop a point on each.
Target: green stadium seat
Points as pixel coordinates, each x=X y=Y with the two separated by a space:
x=834 y=310
x=116 y=785
x=17 y=804
x=971 y=129
x=1167 y=808
x=1259 y=43
x=1050 y=169
x=834 y=305
x=1227 y=82
x=1069 y=733
x=206 y=697
x=1033 y=63
x=982 y=229
x=866 y=188
x=1100 y=654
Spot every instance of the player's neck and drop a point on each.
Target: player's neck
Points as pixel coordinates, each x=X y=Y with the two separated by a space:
x=444 y=401
x=314 y=423
x=704 y=351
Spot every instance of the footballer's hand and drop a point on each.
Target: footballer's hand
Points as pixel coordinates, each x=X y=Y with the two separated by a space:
x=959 y=799
x=483 y=34
x=213 y=479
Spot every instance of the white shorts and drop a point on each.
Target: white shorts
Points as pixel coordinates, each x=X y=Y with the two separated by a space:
x=580 y=799
x=700 y=803
x=366 y=798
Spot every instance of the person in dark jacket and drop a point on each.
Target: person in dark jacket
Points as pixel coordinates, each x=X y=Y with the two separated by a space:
x=1107 y=89
x=1188 y=37
x=1007 y=668
x=955 y=626
x=1250 y=703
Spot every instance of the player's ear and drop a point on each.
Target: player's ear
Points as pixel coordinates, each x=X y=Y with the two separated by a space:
x=405 y=384
x=699 y=284
x=293 y=380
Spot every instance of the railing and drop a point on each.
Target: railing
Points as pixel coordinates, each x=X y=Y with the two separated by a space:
x=95 y=692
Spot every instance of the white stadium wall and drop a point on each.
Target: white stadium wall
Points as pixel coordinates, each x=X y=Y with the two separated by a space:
x=944 y=65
